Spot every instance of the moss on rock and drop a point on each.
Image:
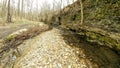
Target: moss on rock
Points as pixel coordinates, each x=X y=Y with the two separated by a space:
x=9 y=38
x=96 y=37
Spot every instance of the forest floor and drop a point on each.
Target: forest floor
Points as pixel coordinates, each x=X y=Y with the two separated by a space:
x=7 y=29
x=57 y=48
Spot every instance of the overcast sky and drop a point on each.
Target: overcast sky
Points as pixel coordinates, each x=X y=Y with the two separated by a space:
x=42 y=2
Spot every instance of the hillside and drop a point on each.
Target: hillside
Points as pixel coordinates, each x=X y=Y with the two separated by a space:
x=103 y=14
x=101 y=24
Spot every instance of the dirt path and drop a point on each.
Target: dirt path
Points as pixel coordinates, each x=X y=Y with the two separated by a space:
x=6 y=30
x=49 y=51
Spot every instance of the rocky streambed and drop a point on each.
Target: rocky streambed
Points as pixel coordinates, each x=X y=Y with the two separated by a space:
x=56 y=48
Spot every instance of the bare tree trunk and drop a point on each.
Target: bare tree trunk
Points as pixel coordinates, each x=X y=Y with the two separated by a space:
x=73 y=1
x=60 y=12
x=37 y=11
x=68 y=2
x=31 y=7
x=18 y=7
x=60 y=6
x=9 y=15
x=4 y=5
x=53 y=6
x=22 y=9
x=82 y=19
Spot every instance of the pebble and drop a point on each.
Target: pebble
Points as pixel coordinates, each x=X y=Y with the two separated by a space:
x=49 y=51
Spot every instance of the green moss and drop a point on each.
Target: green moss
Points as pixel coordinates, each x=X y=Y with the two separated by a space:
x=92 y=35
x=80 y=33
x=9 y=38
x=118 y=46
x=104 y=40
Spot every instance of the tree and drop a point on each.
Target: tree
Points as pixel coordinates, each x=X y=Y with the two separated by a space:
x=37 y=10
x=81 y=5
x=18 y=7
x=8 y=14
x=22 y=9
x=3 y=8
x=73 y=1
x=68 y=2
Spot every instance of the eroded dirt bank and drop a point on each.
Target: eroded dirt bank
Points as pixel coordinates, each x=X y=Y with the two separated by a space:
x=95 y=56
